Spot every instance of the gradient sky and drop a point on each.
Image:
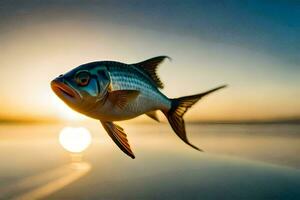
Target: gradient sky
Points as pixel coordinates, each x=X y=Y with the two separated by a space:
x=253 y=46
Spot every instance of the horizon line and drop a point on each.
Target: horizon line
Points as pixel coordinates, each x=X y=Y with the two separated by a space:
x=287 y=120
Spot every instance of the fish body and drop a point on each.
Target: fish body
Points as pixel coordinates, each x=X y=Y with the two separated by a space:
x=128 y=77
x=112 y=91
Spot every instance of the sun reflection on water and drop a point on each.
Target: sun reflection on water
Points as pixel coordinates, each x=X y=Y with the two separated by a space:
x=73 y=139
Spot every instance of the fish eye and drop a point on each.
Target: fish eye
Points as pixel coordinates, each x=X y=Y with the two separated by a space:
x=82 y=78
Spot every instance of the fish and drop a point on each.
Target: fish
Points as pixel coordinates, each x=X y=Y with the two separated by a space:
x=112 y=91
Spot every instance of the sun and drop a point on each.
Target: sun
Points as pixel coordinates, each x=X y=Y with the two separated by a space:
x=75 y=140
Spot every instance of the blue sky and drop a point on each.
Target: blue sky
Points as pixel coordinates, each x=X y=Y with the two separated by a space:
x=270 y=27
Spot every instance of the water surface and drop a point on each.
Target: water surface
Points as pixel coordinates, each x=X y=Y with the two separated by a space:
x=240 y=162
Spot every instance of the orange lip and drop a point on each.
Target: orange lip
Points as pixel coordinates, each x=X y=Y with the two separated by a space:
x=61 y=88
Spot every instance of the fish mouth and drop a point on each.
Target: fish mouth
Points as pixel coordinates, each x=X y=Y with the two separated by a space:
x=63 y=90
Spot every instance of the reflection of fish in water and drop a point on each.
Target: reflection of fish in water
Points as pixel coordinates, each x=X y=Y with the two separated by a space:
x=112 y=91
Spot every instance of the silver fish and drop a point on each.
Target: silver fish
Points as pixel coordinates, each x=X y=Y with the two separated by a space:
x=112 y=91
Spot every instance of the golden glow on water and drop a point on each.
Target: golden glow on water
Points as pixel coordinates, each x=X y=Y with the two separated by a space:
x=75 y=140
x=34 y=165
x=47 y=182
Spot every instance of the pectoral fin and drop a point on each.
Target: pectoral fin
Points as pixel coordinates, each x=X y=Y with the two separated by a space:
x=152 y=115
x=118 y=136
x=122 y=97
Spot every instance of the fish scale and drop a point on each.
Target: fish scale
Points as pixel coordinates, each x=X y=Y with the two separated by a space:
x=150 y=98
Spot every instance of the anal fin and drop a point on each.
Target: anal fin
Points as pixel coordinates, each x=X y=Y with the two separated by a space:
x=153 y=115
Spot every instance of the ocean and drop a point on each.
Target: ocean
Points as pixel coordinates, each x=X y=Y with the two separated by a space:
x=250 y=161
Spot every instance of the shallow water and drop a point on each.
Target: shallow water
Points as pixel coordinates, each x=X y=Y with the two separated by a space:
x=239 y=162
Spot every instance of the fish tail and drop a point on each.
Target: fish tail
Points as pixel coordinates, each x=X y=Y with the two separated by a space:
x=179 y=107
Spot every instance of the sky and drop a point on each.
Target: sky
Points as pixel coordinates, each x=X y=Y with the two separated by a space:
x=253 y=46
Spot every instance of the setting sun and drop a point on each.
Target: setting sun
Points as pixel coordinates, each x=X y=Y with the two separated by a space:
x=75 y=140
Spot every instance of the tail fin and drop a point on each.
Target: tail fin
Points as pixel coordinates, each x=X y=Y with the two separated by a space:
x=179 y=107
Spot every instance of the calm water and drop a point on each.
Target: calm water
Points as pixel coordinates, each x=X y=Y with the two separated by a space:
x=240 y=162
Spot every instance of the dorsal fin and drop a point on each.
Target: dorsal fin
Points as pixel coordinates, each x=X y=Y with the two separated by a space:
x=150 y=66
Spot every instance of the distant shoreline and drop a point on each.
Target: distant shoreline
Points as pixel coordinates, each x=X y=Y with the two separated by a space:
x=222 y=122
x=246 y=122
x=15 y=122
x=27 y=121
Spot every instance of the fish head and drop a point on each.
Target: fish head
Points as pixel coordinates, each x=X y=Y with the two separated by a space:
x=82 y=88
